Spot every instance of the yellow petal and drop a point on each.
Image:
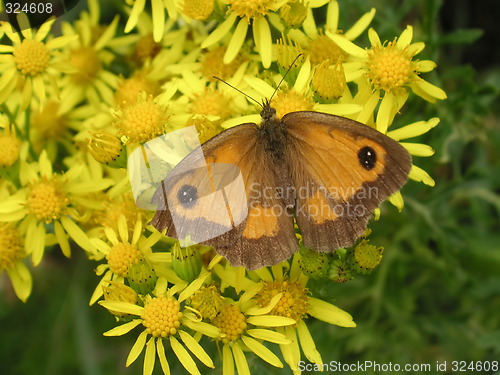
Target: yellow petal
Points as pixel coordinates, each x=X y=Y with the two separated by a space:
x=268 y=335
x=124 y=307
x=329 y=313
x=134 y=15
x=307 y=343
x=385 y=112
x=263 y=42
x=397 y=200
x=136 y=348
x=413 y=130
x=221 y=31
x=262 y=351
x=236 y=41
x=348 y=46
x=291 y=352
x=332 y=16
x=405 y=38
x=266 y=309
x=160 y=349
x=240 y=360
x=62 y=239
x=418 y=149
x=98 y=291
x=425 y=66
x=149 y=357
x=205 y=328
x=193 y=287
x=158 y=12
x=429 y=89
x=270 y=321
x=184 y=357
x=21 y=280
x=374 y=38
x=38 y=245
x=227 y=361
x=418 y=174
x=196 y=349
x=360 y=25
x=77 y=234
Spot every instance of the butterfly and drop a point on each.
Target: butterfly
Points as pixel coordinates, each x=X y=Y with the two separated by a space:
x=323 y=172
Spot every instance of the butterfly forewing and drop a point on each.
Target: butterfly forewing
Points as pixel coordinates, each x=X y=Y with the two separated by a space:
x=341 y=170
x=197 y=203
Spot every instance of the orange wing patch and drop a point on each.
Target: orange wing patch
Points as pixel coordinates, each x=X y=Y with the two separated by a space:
x=261 y=222
x=318 y=209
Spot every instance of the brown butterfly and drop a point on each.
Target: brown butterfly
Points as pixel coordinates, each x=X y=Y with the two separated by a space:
x=326 y=171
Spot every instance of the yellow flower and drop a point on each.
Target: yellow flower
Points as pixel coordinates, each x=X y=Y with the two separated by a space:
x=10 y=146
x=165 y=320
x=12 y=253
x=158 y=8
x=317 y=45
x=296 y=98
x=388 y=67
x=416 y=149
x=88 y=56
x=51 y=199
x=261 y=14
x=124 y=252
x=29 y=62
x=243 y=326
x=285 y=294
x=142 y=121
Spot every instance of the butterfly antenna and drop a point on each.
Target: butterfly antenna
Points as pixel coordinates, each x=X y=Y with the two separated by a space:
x=241 y=92
x=284 y=76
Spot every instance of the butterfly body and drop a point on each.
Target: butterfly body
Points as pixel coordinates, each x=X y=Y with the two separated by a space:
x=326 y=172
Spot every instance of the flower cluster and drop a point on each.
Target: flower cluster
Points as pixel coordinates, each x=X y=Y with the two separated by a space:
x=75 y=101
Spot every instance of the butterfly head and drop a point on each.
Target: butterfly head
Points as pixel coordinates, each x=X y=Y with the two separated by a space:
x=268 y=112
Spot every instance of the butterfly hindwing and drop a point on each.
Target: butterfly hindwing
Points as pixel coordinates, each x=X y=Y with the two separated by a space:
x=341 y=170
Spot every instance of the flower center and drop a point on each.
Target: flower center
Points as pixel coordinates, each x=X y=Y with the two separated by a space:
x=10 y=147
x=162 y=316
x=389 y=67
x=113 y=208
x=250 y=8
x=207 y=301
x=198 y=9
x=31 y=57
x=121 y=257
x=48 y=123
x=46 y=200
x=293 y=303
x=86 y=60
x=329 y=80
x=212 y=103
x=11 y=249
x=119 y=292
x=213 y=64
x=142 y=121
x=290 y=101
x=231 y=322
x=129 y=90
x=323 y=48
x=146 y=48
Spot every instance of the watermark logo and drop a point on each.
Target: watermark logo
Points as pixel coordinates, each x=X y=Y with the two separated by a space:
x=37 y=12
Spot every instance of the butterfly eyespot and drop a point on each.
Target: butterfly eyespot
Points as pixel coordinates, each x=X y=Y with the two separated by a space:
x=187 y=195
x=367 y=157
